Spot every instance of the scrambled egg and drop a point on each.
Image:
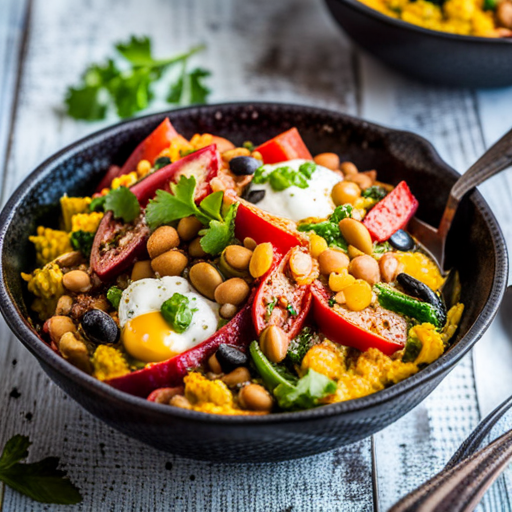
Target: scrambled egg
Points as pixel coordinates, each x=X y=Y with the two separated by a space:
x=463 y=17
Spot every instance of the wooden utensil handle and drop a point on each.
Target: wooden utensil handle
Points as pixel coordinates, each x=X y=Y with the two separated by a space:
x=461 y=488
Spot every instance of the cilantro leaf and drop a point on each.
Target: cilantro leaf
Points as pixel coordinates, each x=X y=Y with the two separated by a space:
x=189 y=88
x=42 y=481
x=84 y=103
x=114 y=296
x=123 y=203
x=178 y=312
x=219 y=234
x=306 y=393
x=82 y=241
x=97 y=204
x=212 y=204
x=137 y=50
x=104 y=86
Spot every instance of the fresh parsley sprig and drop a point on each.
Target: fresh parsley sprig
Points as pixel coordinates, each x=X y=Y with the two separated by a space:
x=105 y=86
x=121 y=201
x=170 y=207
x=42 y=481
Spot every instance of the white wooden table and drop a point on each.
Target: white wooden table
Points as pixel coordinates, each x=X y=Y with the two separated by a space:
x=287 y=50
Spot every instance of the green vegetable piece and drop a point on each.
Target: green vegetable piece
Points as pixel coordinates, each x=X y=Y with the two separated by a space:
x=330 y=231
x=341 y=212
x=306 y=393
x=300 y=345
x=260 y=176
x=381 y=248
x=123 y=204
x=177 y=312
x=308 y=168
x=114 y=296
x=291 y=310
x=272 y=374
x=98 y=204
x=42 y=481
x=82 y=241
x=248 y=145
x=269 y=308
x=220 y=233
x=392 y=299
x=375 y=192
x=412 y=349
x=190 y=88
x=161 y=162
x=490 y=5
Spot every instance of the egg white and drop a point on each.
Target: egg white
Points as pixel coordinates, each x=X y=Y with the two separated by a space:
x=297 y=203
x=148 y=295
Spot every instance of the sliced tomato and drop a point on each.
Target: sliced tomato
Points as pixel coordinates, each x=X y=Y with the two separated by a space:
x=117 y=245
x=148 y=149
x=286 y=146
x=392 y=213
x=340 y=329
x=239 y=332
x=281 y=301
x=264 y=227
x=203 y=164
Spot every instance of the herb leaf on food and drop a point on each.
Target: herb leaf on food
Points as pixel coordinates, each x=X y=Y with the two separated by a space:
x=178 y=312
x=123 y=203
x=219 y=233
x=114 y=296
x=82 y=241
x=42 y=481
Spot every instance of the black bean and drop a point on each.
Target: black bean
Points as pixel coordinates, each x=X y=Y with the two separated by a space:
x=244 y=165
x=162 y=162
x=416 y=288
x=230 y=357
x=255 y=196
x=99 y=327
x=401 y=240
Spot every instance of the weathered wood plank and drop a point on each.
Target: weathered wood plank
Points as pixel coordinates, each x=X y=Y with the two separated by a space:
x=116 y=473
x=417 y=446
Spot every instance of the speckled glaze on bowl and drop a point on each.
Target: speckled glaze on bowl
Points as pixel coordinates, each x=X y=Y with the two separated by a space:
x=475 y=245
x=430 y=56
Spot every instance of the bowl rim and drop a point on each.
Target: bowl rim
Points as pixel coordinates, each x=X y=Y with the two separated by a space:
x=21 y=328
x=395 y=22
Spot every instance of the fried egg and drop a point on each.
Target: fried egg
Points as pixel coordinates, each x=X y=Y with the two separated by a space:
x=300 y=203
x=146 y=335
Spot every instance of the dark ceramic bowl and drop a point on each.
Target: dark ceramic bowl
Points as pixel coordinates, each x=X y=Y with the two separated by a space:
x=427 y=55
x=475 y=246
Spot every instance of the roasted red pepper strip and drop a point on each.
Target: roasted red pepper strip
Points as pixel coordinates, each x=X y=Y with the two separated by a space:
x=239 y=332
x=148 y=149
x=281 y=301
x=263 y=227
x=109 y=262
x=286 y=146
x=203 y=164
x=340 y=330
x=392 y=213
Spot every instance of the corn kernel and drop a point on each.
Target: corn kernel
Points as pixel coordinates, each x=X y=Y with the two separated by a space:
x=143 y=168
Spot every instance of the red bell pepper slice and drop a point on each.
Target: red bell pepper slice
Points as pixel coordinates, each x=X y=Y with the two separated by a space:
x=340 y=330
x=148 y=149
x=109 y=258
x=262 y=227
x=239 y=332
x=286 y=146
x=281 y=301
x=392 y=213
x=203 y=164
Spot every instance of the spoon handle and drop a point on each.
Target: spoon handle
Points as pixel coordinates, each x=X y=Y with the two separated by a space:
x=494 y=160
x=460 y=488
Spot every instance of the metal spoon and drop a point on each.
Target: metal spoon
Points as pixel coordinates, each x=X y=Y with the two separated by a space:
x=494 y=160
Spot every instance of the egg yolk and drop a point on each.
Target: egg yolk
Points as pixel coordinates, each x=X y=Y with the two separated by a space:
x=148 y=338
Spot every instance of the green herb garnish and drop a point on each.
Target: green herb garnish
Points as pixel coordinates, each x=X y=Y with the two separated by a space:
x=248 y=145
x=123 y=203
x=270 y=307
x=375 y=192
x=161 y=162
x=381 y=248
x=114 y=296
x=300 y=345
x=42 y=481
x=98 y=204
x=82 y=241
x=167 y=208
x=290 y=310
x=128 y=91
x=285 y=177
x=178 y=312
